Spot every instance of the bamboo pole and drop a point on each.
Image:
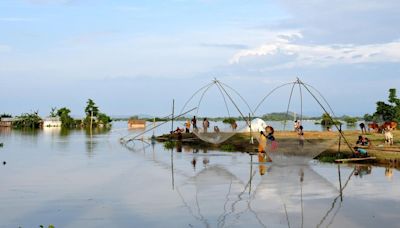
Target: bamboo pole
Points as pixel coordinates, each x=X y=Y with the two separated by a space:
x=173 y=110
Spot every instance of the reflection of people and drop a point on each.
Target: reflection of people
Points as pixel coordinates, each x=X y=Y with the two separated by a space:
x=389 y=173
x=301 y=174
x=262 y=167
x=194 y=163
x=206 y=161
x=362 y=170
x=206 y=124
x=187 y=126
x=262 y=142
x=178 y=146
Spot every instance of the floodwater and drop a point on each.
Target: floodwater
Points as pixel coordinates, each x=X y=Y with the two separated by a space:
x=71 y=179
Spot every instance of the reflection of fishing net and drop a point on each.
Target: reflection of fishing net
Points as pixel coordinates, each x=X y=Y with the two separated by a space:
x=209 y=195
x=290 y=148
x=291 y=194
x=217 y=99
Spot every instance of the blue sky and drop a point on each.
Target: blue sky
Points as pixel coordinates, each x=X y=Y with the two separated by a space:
x=136 y=56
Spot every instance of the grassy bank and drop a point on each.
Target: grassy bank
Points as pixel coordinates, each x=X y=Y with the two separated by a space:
x=240 y=142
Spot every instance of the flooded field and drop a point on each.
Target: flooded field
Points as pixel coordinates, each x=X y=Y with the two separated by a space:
x=71 y=179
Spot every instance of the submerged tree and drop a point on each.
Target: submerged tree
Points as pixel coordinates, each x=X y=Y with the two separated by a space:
x=91 y=108
x=53 y=112
x=28 y=120
x=94 y=117
x=350 y=120
x=66 y=120
x=5 y=115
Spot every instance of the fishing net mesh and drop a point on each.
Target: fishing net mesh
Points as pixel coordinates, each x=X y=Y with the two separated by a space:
x=217 y=135
x=291 y=148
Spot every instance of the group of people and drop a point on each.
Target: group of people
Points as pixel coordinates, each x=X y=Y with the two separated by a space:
x=206 y=125
x=193 y=122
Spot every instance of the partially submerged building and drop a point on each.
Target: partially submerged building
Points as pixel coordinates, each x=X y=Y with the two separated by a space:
x=6 y=122
x=132 y=124
x=52 y=122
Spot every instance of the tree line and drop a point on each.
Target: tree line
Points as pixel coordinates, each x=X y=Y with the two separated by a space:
x=93 y=118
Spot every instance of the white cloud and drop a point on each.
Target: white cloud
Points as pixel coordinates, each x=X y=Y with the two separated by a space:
x=322 y=55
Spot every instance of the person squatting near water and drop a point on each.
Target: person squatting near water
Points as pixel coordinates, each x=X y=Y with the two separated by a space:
x=363 y=141
x=360 y=152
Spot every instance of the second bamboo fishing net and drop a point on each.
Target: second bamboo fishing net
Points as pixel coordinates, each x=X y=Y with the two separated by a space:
x=290 y=147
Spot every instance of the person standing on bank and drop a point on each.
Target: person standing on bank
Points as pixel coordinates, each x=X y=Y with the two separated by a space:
x=363 y=130
x=206 y=124
x=194 y=123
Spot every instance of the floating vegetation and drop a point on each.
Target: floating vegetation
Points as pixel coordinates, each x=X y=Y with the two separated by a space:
x=169 y=144
x=50 y=226
x=228 y=147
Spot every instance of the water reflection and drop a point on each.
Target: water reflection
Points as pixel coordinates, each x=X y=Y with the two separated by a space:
x=144 y=185
x=215 y=195
x=283 y=196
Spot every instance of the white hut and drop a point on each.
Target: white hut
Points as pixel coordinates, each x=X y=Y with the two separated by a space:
x=52 y=122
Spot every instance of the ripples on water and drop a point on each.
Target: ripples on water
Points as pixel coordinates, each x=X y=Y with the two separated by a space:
x=70 y=179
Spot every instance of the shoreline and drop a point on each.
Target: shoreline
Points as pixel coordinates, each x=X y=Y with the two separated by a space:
x=240 y=142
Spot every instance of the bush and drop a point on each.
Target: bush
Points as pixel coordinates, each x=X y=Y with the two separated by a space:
x=169 y=144
x=350 y=120
x=28 y=120
x=229 y=120
x=228 y=147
